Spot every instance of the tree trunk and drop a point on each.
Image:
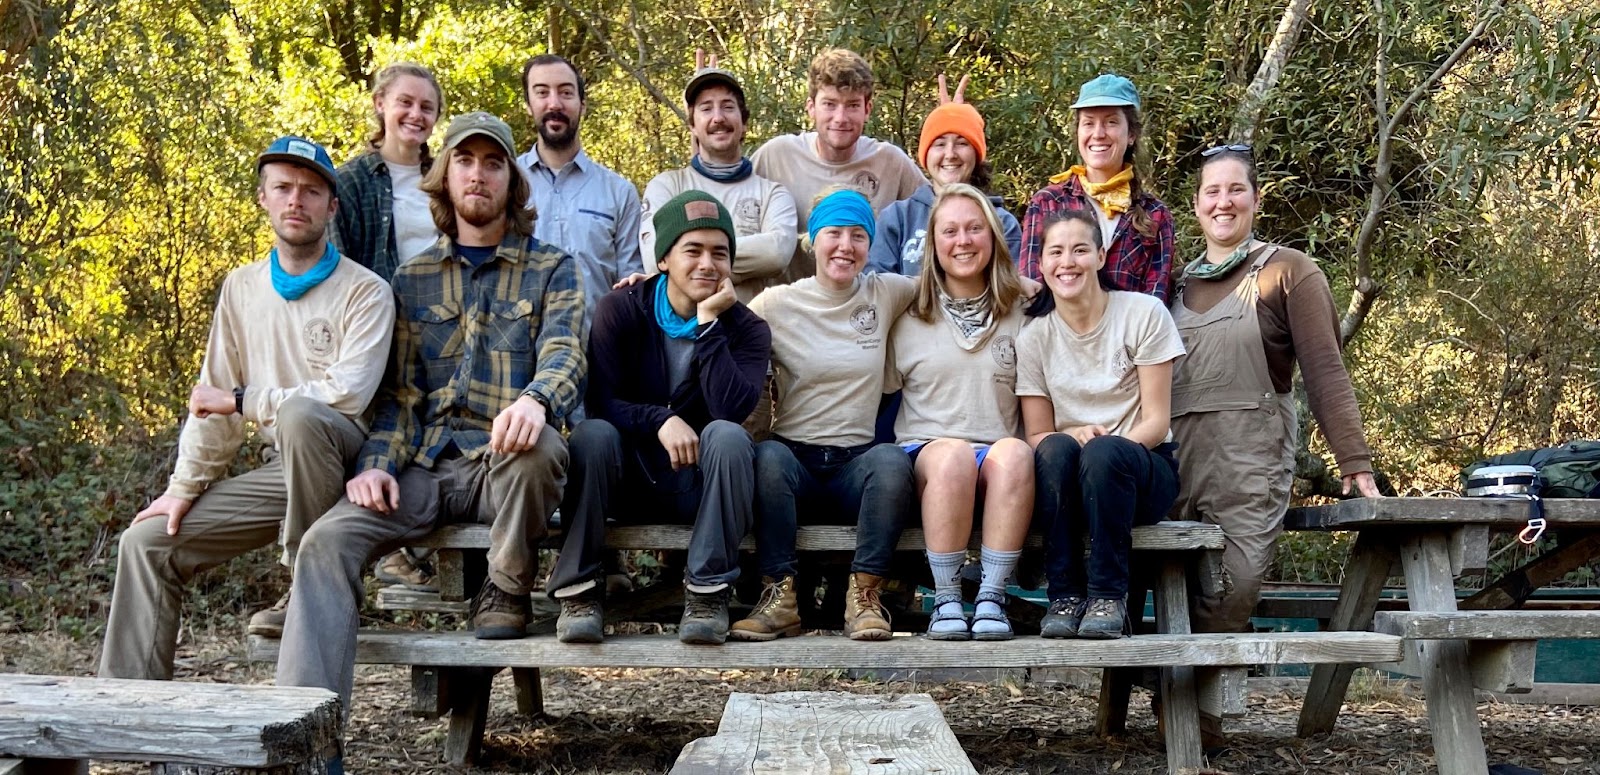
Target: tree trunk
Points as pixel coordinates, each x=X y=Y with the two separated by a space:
x=1248 y=116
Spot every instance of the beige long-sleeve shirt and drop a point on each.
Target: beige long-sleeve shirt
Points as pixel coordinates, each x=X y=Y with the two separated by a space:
x=330 y=345
x=763 y=217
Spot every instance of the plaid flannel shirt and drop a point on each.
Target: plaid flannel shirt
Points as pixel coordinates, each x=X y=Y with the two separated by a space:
x=364 y=226
x=468 y=342
x=1133 y=262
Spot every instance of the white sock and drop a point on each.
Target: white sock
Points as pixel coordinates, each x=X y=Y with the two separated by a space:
x=946 y=568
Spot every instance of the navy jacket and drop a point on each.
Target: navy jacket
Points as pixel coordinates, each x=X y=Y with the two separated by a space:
x=628 y=371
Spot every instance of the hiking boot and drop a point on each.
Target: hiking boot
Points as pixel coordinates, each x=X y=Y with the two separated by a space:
x=865 y=618
x=582 y=619
x=412 y=573
x=1106 y=618
x=1063 y=618
x=268 y=622
x=498 y=614
x=776 y=615
x=705 y=617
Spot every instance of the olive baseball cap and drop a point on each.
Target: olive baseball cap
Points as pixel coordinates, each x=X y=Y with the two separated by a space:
x=478 y=123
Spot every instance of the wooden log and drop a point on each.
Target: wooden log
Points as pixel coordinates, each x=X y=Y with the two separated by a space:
x=1160 y=537
x=222 y=725
x=1514 y=588
x=1446 y=674
x=1490 y=625
x=1222 y=691
x=832 y=652
x=827 y=733
x=1364 y=575
x=1180 y=705
x=1448 y=512
x=530 y=691
x=469 y=711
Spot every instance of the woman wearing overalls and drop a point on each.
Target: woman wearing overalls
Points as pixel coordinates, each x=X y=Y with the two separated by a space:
x=1248 y=311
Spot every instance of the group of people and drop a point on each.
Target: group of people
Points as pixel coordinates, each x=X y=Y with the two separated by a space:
x=425 y=327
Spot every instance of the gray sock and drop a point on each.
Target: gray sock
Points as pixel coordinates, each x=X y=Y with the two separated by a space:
x=947 y=572
x=997 y=568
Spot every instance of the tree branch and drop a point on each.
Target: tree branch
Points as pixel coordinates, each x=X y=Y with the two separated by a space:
x=1273 y=62
x=634 y=69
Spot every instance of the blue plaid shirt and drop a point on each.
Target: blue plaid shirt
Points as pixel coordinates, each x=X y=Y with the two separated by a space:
x=468 y=342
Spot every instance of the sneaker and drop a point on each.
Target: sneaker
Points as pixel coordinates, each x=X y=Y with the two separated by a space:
x=268 y=623
x=1063 y=618
x=705 y=618
x=412 y=573
x=582 y=619
x=865 y=617
x=498 y=614
x=776 y=615
x=1106 y=618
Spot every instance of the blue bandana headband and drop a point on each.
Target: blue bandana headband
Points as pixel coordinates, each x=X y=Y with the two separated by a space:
x=292 y=287
x=842 y=208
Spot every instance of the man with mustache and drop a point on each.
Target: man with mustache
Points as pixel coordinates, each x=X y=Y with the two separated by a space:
x=487 y=361
x=834 y=153
x=580 y=206
x=678 y=364
x=763 y=211
x=297 y=348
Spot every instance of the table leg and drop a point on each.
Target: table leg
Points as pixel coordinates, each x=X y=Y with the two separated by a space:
x=1446 y=673
x=469 y=710
x=1364 y=575
x=1180 y=701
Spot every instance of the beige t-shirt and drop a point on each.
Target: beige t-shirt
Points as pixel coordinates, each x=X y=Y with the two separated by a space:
x=828 y=355
x=1092 y=379
x=956 y=388
x=330 y=345
x=881 y=171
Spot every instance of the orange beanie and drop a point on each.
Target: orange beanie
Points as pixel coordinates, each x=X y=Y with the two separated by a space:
x=957 y=117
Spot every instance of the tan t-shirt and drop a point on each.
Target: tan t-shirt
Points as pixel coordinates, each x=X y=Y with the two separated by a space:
x=330 y=345
x=956 y=388
x=1093 y=379
x=828 y=355
x=881 y=171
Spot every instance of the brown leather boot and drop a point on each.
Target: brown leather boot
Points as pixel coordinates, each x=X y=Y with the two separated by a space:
x=775 y=616
x=865 y=618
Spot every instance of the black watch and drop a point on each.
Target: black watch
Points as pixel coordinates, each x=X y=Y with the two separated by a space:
x=238 y=400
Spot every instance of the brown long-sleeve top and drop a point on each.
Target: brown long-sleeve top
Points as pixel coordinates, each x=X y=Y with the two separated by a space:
x=1299 y=323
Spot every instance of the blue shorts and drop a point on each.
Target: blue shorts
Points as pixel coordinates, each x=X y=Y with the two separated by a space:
x=979 y=451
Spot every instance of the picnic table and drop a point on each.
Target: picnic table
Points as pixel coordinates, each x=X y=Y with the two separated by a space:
x=1456 y=647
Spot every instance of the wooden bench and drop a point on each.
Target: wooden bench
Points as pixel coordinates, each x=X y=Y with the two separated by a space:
x=53 y=722
x=451 y=672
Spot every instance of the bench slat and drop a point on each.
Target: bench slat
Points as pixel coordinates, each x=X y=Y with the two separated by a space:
x=1165 y=536
x=1489 y=625
x=54 y=717
x=834 y=652
x=1504 y=512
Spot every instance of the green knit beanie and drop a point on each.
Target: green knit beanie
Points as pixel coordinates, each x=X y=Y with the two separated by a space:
x=686 y=212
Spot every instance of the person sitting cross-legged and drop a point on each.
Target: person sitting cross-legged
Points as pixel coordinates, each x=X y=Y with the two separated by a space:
x=678 y=364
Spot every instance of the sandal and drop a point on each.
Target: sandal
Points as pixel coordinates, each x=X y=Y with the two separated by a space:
x=990 y=622
x=948 y=609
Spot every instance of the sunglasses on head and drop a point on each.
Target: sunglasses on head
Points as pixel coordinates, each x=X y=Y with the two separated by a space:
x=1216 y=149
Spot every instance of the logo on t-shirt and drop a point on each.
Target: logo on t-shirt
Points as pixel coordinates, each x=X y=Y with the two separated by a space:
x=1004 y=350
x=319 y=337
x=866 y=183
x=911 y=252
x=747 y=216
x=864 y=319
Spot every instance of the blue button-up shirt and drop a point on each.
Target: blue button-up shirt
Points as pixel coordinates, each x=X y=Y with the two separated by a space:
x=591 y=213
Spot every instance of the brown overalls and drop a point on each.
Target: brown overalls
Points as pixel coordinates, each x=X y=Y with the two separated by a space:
x=1236 y=441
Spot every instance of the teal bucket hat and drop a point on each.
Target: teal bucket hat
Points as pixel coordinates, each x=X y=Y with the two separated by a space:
x=1107 y=91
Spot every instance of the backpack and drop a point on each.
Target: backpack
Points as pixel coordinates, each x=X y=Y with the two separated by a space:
x=1571 y=470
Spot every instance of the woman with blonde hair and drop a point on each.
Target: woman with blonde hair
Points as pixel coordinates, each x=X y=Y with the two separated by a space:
x=955 y=358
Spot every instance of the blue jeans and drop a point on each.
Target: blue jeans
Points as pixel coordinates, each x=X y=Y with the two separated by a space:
x=1097 y=492
x=869 y=486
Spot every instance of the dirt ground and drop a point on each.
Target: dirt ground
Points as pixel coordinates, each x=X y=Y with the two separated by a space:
x=636 y=721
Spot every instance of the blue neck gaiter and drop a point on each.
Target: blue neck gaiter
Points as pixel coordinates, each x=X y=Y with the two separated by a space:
x=292 y=287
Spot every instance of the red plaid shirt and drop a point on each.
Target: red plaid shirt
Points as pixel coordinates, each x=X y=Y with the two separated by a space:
x=1133 y=262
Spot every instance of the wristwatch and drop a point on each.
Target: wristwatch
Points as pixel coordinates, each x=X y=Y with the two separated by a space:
x=238 y=400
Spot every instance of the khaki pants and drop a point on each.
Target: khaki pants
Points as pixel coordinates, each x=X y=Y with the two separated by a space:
x=1238 y=468
x=515 y=494
x=278 y=501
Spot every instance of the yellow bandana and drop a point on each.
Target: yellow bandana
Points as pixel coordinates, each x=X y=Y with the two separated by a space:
x=1114 y=196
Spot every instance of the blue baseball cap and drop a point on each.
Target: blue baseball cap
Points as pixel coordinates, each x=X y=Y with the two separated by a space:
x=298 y=150
x=1107 y=91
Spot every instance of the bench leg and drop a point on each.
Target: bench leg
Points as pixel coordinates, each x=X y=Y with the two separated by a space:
x=1364 y=575
x=1116 y=683
x=430 y=691
x=530 y=691
x=1446 y=677
x=469 y=710
x=1180 y=702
